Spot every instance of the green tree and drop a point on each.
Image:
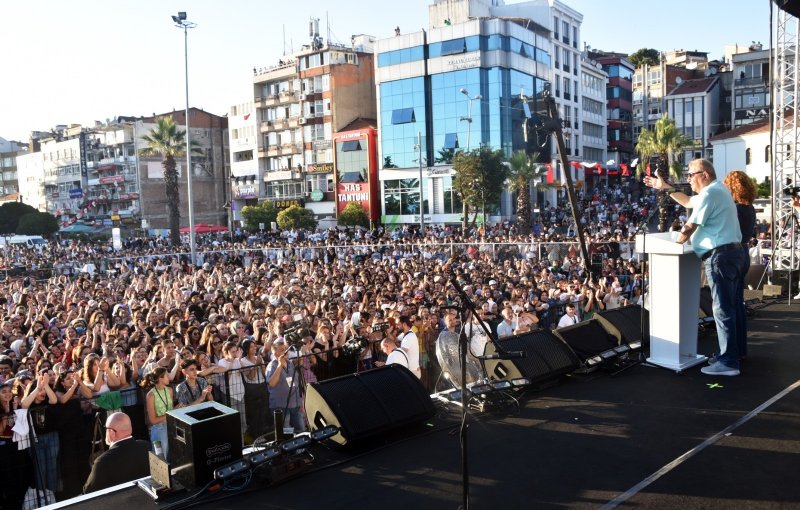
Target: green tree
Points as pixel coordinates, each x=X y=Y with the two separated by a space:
x=354 y=215
x=446 y=156
x=37 y=224
x=387 y=162
x=665 y=142
x=480 y=176
x=11 y=213
x=167 y=141
x=522 y=170
x=265 y=212
x=296 y=217
x=765 y=189
x=644 y=56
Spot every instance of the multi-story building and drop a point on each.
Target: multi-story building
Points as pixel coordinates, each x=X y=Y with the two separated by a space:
x=750 y=97
x=567 y=81
x=245 y=185
x=619 y=97
x=694 y=106
x=472 y=79
x=300 y=104
x=210 y=170
x=98 y=175
x=356 y=162
x=688 y=59
x=593 y=111
x=9 y=184
x=86 y=174
x=651 y=84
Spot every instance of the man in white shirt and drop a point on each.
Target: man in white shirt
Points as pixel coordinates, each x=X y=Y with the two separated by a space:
x=509 y=324
x=569 y=318
x=410 y=345
x=394 y=355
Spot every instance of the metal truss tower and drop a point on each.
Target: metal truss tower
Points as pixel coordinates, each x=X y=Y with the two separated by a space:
x=785 y=135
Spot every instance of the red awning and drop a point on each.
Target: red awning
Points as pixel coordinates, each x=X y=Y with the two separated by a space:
x=105 y=168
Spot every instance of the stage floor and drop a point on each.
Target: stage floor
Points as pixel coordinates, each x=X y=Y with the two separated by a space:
x=646 y=438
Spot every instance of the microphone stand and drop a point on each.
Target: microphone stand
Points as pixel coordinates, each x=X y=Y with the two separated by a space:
x=467 y=309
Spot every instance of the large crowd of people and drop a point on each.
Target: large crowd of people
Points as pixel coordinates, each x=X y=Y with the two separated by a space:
x=258 y=317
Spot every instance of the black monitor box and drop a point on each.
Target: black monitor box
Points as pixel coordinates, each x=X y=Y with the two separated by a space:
x=202 y=438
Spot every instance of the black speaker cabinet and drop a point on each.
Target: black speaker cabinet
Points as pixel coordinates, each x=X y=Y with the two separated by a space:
x=625 y=323
x=368 y=404
x=202 y=438
x=546 y=357
x=587 y=338
x=782 y=276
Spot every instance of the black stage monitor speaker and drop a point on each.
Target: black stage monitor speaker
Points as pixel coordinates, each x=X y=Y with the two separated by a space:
x=625 y=323
x=368 y=404
x=781 y=277
x=587 y=338
x=202 y=438
x=755 y=279
x=546 y=357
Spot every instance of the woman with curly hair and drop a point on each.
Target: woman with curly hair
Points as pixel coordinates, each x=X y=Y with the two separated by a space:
x=744 y=191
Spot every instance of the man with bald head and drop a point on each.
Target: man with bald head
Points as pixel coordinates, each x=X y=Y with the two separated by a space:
x=126 y=459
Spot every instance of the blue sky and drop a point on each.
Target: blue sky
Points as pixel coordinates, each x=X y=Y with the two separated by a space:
x=86 y=60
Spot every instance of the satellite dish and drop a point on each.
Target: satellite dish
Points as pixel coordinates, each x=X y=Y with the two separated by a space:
x=713 y=71
x=678 y=80
x=706 y=73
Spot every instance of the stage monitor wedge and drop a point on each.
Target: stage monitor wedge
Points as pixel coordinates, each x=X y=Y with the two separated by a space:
x=546 y=357
x=587 y=339
x=367 y=404
x=625 y=323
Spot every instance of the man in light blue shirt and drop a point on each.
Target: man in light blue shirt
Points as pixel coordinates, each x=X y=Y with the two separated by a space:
x=714 y=230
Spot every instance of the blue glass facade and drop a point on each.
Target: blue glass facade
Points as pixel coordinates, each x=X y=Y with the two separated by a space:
x=403 y=115
x=498 y=119
x=434 y=106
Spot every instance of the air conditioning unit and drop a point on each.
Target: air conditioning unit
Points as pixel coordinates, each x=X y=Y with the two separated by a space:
x=302 y=120
x=303 y=97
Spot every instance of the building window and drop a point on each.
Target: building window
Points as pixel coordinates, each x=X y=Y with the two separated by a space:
x=403 y=116
x=556 y=24
x=451 y=141
x=401 y=196
x=351 y=145
x=454 y=46
x=452 y=200
x=747 y=156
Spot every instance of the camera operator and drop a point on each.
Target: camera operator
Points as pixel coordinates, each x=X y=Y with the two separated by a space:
x=284 y=391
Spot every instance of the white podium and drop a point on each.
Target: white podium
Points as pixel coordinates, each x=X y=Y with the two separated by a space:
x=674 y=301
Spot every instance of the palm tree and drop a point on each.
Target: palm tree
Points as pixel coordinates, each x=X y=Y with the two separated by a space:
x=169 y=142
x=522 y=170
x=665 y=142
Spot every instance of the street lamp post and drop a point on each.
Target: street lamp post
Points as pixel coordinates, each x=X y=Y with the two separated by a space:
x=181 y=22
x=468 y=119
x=421 y=196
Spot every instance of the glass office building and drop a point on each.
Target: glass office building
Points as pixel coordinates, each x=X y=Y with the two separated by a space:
x=455 y=87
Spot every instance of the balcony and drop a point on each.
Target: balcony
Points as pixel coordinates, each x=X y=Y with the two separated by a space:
x=266 y=125
x=756 y=81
